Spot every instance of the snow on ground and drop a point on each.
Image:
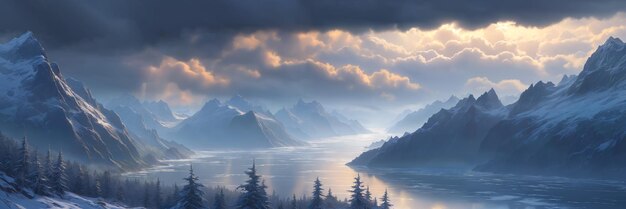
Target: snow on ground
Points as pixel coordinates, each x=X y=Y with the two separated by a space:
x=9 y=199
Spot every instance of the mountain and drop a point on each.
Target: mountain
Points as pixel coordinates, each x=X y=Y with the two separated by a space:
x=141 y=123
x=415 y=119
x=574 y=128
x=37 y=101
x=161 y=110
x=311 y=120
x=128 y=103
x=221 y=125
x=451 y=136
x=244 y=105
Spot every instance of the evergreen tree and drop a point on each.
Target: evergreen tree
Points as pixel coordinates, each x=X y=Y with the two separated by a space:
x=59 y=178
x=158 y=201
x=294 y=203
x=357 y=200
x=23 y=165
x=119 y=195
x=220 y=202
x=254 y=195
x=106 y=185
x=37 y=179
x=48 y=166
x=317 y=201
x=98 y=188
x=146 y=194
x=191 y=195
x=330 y=201
x=386 y=202
x=368 y=197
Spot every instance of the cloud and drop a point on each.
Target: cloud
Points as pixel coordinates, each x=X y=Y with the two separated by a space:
x=189 y=77
x=145 y=22
x=506 y=87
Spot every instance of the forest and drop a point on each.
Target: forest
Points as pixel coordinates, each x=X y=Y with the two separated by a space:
x=51 y=175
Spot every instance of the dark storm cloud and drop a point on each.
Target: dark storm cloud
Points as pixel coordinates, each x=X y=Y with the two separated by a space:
x=127 y=23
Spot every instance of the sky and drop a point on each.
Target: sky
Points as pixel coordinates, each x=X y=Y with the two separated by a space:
x=369 y=59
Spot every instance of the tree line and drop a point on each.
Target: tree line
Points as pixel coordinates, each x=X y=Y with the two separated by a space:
x=47 y=175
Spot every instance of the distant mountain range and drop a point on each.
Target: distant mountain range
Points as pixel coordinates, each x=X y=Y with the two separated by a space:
x=575 y=128
x=219 y=125
x=37 y=101
x=411 y=121
x=310 y=120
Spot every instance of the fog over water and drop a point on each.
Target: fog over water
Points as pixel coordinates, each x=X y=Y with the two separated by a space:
x=289 y=171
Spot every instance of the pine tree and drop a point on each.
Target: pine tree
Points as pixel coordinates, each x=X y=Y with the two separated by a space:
x=294 y=203
x=331 y=200
x=220 y=202
x=357 y=200
x=386 y=202
x=119 y=195
x=37 y=179
x=368 y=197
x=254 y=195
x=158 y=201
x=48 y=166
x=105 y=183
x=98 y=188
x=146 y=194
x=317 y=201
x=23 y=164
x=59 y=178
x=191 y=195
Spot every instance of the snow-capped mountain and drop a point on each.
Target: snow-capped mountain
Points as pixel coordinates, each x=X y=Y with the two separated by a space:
x=244 y=105
x=415 y=119
x=37 y=101
x=142 y=123
x=221 y=125
x=161 y=110
x=575 y=128
x=308 y=120
x=451 y=136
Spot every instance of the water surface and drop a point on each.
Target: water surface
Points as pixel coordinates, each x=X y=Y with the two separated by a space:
x=290 y=171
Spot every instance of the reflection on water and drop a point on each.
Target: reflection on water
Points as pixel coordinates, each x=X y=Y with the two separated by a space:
x=292 y=170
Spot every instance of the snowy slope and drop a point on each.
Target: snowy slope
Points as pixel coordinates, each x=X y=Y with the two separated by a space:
x=574 y=128
x=221 y=125
x=36 y=99
x=10 y=199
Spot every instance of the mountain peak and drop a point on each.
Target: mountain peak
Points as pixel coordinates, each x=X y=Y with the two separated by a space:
x=612 y=41
x=23 y=47
x=489 y=100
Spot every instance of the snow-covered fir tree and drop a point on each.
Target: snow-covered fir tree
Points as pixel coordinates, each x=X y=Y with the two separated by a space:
x=23 y=165
x=220 y=201
x=316 y=200
x=294 y=203
x=357 y=200
x=59 y=178
x=254 y=195
x=386 y=204
x=190 y=196
x=158 y=201
x=37 y=179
